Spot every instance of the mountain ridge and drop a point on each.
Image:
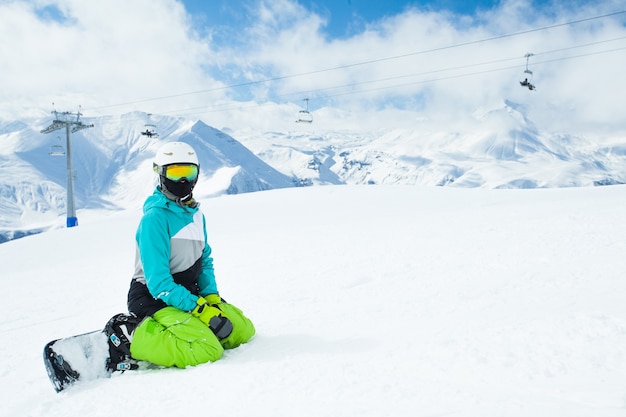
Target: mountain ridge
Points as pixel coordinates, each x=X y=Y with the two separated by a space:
x=498 y=147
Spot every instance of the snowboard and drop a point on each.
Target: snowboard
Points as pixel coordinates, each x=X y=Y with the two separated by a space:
x=90 y=356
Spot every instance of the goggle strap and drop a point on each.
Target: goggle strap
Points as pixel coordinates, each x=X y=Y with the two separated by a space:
x=158 y=169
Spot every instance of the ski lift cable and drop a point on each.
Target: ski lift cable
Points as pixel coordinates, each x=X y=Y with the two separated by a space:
x=471 y=74
x=584 y=45
x=467 y=74
x=249 y=83
x=448 y=78
x=309 y=92
x=231 y=106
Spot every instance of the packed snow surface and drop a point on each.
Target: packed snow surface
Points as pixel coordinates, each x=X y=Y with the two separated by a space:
x=368 y=301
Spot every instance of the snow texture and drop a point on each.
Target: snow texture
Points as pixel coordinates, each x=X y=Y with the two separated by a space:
x=87 y=354
x=368 y=301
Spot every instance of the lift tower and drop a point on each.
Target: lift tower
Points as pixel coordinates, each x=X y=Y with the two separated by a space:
x=71 y=122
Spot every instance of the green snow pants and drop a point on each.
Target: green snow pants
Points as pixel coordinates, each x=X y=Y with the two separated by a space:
x=172 y=337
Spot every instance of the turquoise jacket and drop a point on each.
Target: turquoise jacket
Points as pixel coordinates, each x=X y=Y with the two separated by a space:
x=172 y=252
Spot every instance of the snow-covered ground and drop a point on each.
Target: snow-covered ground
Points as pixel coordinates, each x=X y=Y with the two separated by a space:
x=368 y=301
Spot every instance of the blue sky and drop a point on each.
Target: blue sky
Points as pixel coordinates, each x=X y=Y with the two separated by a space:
x=251 y=63
x=344 y=17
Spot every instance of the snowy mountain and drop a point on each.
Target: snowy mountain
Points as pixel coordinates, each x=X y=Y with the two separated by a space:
x=112 y=165
x=495 y=148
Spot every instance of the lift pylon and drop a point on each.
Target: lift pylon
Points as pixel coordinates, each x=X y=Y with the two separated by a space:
x=72 y=124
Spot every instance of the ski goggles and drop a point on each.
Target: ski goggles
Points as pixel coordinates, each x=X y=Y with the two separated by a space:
x=177 y=172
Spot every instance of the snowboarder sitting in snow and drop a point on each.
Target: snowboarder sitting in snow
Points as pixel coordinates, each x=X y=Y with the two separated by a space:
x=173 y=293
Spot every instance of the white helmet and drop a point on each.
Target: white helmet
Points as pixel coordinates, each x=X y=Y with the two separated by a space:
x=176 y=153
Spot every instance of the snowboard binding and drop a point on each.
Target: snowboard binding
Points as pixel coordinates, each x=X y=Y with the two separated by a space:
x=119 y=331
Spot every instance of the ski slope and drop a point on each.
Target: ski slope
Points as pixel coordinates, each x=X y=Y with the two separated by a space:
x=368 y=301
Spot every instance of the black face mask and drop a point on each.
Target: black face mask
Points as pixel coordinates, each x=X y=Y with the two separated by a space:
x=181 y=189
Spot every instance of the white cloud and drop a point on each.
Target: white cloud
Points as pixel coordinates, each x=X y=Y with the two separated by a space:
x=439 y=61
x=115 y=52
x=105 y=53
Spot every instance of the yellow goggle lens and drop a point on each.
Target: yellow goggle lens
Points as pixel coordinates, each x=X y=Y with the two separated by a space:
x=177 y=172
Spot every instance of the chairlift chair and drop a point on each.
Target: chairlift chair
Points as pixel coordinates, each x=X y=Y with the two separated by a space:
x=57 y=150
x=150 y=131
x=303 y=115
x=528 y=75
